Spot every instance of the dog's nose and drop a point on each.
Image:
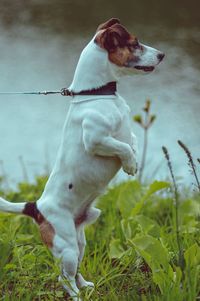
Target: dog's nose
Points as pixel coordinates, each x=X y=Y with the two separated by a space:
x=160 y=56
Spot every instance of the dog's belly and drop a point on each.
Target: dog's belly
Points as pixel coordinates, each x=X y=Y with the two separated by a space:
x=88 y=175
x=76 y=182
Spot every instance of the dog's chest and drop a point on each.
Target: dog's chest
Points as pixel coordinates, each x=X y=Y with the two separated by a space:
x=124 y=131
x=115 y=111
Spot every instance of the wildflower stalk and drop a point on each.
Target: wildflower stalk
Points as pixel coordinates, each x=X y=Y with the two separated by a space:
x=190 y=162
x=176 y=200
x=145 y=143
x=145 y=124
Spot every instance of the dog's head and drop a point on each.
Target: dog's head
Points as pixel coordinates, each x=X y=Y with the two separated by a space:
x=124 y=49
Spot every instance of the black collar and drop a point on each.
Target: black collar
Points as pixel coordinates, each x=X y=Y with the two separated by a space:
x=108 y=89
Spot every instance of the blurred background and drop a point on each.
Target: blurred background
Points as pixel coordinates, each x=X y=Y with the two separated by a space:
x=40 y=43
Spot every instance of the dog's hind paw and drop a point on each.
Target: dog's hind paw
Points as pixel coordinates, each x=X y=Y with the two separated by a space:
x=70 y=288
x=81 y=282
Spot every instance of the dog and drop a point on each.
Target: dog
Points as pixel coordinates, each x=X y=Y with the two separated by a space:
x=97 y=141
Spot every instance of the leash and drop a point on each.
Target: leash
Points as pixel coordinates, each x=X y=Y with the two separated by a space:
x=62 y=92
x=108 y=89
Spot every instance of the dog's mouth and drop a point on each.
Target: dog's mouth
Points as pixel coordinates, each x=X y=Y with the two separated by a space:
x=145 y=68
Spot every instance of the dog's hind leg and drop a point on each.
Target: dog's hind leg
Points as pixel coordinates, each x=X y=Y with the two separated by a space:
x=80 y=281
x=91 y=216
x=67 y=251
x=69 y=264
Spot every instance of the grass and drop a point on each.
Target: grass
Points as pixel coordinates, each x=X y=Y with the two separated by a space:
x=131 y=254
x=145 y=245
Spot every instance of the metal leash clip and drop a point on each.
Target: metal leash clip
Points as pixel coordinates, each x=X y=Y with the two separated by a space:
x=66 y=92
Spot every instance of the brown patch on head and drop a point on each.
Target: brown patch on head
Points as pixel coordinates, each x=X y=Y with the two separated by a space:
x=108 y=23
x=121 y=56
x=118 y=42
x=46 y=229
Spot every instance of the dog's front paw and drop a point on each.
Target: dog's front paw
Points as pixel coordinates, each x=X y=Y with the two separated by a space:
x=130 y=166
x=130 y=170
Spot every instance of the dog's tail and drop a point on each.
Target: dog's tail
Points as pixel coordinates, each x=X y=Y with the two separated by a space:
x=6 y=206
x=27 y=208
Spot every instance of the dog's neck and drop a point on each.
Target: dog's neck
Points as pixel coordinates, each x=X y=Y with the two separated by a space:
x=93 y=70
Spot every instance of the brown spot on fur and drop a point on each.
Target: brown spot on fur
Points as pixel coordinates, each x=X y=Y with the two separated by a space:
x=118 y=42
x=46 y=229
x=81 y=218
x=31 y=210
x=47 y=233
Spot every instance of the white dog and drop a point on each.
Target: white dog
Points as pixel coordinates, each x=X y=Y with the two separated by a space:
x=97 y=141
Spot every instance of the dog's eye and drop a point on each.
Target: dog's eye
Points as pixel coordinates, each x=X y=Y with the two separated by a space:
x=130 y=47
x=134 y=45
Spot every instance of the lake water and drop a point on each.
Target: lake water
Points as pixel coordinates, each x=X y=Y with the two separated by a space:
x=35 y=59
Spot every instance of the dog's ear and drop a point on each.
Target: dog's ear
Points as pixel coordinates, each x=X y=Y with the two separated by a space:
x=112 y=37
x=108 y=23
